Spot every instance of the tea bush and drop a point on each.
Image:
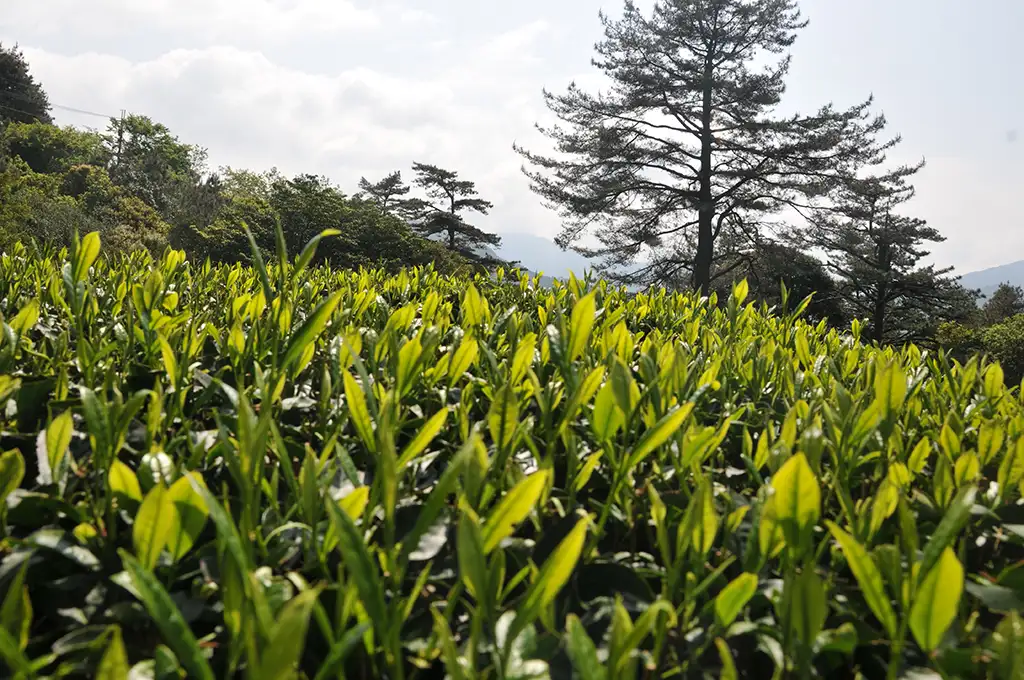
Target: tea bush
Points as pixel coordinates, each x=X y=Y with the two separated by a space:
x=278 y=471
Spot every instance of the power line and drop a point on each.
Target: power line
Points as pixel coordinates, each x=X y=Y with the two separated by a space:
x=64 y=107
x=29 y=100
x=21 y=111
x=82 y=111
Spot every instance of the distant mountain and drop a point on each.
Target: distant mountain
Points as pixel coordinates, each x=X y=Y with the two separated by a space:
x=539 y=254
x=534 y=254
x=987 y=280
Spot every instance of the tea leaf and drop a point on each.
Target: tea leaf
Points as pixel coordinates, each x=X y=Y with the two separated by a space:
x=16 y=610
x=808 y=606
x=868 y=578
x=311 y=329
x=891 y=388
x=189 y=514
x=281 y=656
x=797 y=499
x=581 y=323
x=175 y=631
x=58 y=439
x=660 y=433
x=733 y=598
x=114 y=663
x=14 y=657
x=582 y=651
x=358 y=412
x=555 y=573
x=949 y=528
x=503 y=417
x=728 y=664
x=472 y=561
x=360 y=567
x=937 y=600
x=513 y=509
x=12 y=471
x=607 y=418
x=124 y=483
x=88 y=251
x=423 y=438
x=340 y=651
x=154 y=524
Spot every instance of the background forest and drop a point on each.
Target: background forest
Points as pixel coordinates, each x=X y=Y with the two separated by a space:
x=808 y=202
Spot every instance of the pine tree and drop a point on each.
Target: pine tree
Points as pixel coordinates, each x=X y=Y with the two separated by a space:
x=387 y=194
x=1005 y=302
x=687 y=143
x=768 y=265
x=875 y=252
x=442 y=213
x=22 y=99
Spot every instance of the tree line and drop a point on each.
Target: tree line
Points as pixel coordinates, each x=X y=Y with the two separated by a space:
x=684 y=172
x=687 y=173
x=142 y=187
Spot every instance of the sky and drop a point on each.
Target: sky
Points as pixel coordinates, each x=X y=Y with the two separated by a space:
x=353 y=88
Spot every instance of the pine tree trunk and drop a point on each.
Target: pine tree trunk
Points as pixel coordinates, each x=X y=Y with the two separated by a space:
x=705 y=233
x=878 y=317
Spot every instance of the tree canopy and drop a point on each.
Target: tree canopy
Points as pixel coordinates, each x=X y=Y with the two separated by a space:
x=875 y=252
x=682 y=172
x=687 y=144
x=22 y=98
x=442 y=213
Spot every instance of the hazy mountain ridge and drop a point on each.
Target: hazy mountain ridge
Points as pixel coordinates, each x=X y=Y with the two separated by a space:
x=987 y=280
x=540 y=254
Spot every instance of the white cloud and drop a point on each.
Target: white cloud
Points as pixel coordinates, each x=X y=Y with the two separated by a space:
x=251 y=21
x=251 y=111
x=362 y=87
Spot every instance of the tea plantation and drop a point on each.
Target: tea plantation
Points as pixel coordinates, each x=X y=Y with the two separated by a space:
x=284 y=471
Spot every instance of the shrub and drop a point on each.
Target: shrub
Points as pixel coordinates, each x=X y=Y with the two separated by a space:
x=282 y=471
x=1003 y=341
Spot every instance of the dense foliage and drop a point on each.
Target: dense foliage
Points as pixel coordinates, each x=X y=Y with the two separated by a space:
x=688 y=146
x=277 y=471
x=995 y=330
x=21 y=97
x=141 y=187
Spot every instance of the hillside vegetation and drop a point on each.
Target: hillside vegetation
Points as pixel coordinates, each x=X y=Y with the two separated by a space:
x=275 y=471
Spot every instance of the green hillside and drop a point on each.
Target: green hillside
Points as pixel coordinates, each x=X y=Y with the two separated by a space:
x=279 y=471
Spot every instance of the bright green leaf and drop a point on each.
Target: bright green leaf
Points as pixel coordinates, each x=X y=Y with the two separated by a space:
x=937 y=600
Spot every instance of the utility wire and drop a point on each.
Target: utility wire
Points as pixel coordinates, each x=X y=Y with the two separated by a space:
x=22 y=97
x=21 y=111
x=83 y=111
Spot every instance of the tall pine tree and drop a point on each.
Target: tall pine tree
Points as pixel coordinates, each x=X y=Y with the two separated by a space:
x=22 y=99
x=875 y=252
x=687 y=143
x=388 y=194
x=1005 y=302
x=442 y=213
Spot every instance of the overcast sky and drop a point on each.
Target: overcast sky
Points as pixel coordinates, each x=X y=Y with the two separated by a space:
x=361 y=87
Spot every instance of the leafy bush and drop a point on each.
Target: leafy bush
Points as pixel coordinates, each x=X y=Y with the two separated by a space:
x=277 y=471
x=1003 y=341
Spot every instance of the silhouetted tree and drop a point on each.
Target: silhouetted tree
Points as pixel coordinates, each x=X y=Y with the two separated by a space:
x=448 y=198
x=767 y=265
x=1005 y=302
x=388 y=194
x=875 y=252
x=687 y=138
x=22 y=99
